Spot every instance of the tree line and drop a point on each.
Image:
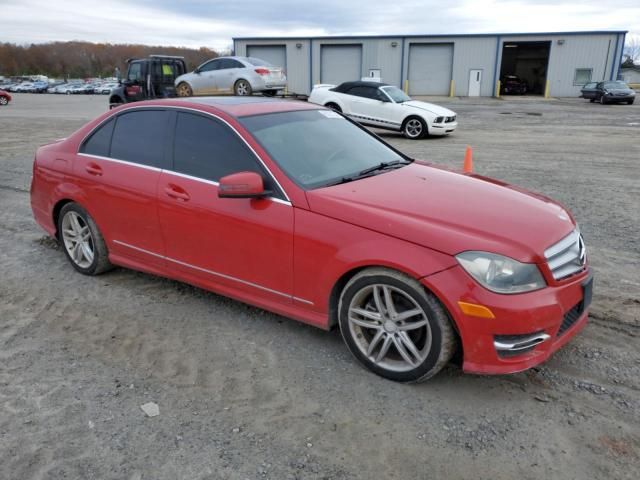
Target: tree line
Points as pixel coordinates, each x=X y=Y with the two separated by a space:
x=84 y=59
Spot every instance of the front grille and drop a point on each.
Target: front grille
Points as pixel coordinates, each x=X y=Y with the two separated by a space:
x=570 y=318
x=567 y=257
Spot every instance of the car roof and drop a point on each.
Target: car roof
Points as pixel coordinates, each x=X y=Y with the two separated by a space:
x=343 y=87
x=234 y=106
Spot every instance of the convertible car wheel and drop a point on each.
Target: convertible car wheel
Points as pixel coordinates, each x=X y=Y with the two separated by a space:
x=414 y=128
x=83 y=243
x=394 y=327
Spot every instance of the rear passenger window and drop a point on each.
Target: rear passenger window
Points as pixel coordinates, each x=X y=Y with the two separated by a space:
x=99 y=142
x=139 y=137
x=208 y=149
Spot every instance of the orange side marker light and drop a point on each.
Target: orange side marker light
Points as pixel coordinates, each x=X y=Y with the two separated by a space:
x=474 y=310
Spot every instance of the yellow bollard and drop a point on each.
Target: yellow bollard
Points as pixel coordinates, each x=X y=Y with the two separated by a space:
x=546 y=90
x=452 y=88
x=406 y=87
x=498 y=85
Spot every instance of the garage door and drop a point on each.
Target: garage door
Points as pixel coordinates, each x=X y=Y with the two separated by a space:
x=340 y=63
x=276 y=55
x=430 y=68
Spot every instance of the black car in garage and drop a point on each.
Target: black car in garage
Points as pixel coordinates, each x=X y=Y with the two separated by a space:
x=513 y=85
x=609 y=92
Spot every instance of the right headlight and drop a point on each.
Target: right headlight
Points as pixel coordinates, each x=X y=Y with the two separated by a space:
x=501 y=274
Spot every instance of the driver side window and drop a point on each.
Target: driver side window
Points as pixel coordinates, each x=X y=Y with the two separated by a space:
x=206 y=148
x=210 y=66
x=135 y=72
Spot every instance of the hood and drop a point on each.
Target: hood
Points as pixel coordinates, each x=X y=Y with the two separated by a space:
x=448 y=211
x=429 y=107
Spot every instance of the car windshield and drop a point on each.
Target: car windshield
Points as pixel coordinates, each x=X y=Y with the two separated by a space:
x=256 y=62
x=317 y=148
x=396 y=94
x=615 y=85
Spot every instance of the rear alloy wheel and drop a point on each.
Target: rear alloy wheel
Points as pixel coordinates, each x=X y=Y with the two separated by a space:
x=334 y=106
x=3 y=101
x=414 y=128
x=394 y=327
x=184 y=90
x=242 y=88
x=83 y=243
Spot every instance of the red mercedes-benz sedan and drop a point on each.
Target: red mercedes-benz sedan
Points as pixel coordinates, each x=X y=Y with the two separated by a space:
x=296 y=209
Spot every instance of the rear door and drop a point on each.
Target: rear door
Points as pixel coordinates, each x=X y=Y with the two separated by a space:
x=118 y=167
x=230 y=70
x=245 y=245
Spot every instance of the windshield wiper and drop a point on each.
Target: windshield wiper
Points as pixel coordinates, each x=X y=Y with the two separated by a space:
x=383 y=166
x=368 y=172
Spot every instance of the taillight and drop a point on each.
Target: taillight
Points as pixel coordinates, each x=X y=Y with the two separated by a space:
x=133 y=90
x=262 y=71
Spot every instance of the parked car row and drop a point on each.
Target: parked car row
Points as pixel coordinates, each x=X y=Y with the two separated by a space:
x=68 y=88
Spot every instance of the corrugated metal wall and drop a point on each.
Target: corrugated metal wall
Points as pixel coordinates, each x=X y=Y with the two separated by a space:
x=598 y=51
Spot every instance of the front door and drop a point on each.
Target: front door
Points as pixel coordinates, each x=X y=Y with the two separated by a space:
x=243 y=245
x=475 y=80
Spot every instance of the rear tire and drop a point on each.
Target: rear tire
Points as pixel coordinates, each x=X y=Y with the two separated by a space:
x=602 y=100
x=334 y=106
x=242 y=88
x=394 y=327
x=630 y=102
x=82 y=242
x=592 y=100
x=184 y=90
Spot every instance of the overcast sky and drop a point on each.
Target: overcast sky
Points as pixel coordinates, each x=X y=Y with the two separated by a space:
x=213 y=23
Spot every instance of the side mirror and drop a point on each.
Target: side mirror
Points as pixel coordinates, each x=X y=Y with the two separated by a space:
x=242 y=185
x=197 y=71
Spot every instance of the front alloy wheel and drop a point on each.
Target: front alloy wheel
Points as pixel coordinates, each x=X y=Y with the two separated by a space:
x=414 y=128
x=184 y=90
x=394 y=327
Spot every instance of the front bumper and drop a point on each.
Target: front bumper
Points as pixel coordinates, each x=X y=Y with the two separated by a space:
x=443 y=128
x=619 y=98
x=534 y=324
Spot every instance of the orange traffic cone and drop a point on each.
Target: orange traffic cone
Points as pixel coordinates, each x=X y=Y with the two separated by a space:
x=468 y=161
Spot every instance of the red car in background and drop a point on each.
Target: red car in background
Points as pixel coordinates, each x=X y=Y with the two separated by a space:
x=5 y=98
x=294 y=208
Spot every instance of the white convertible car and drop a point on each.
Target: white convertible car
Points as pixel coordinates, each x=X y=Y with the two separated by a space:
x=384 y=106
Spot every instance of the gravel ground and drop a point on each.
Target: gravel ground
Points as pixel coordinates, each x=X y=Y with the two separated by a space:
x=246 y=394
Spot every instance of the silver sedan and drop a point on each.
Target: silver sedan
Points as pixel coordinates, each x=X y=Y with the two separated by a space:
x=234 y=75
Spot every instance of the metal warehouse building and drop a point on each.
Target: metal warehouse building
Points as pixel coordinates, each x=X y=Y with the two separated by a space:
x=556 y=64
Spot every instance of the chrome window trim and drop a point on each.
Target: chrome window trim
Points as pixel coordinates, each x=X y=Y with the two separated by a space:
x=123 y=162
x=211 y=272
x=202 y=112
x=171 y=172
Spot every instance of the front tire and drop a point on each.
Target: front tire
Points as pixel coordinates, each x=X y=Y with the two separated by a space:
x=630 y=102
x=3 y=101
x=394 y=327
x=82 y=241
x=602 y=100
x=184 y=90
x=242 y=88
x=414 y=128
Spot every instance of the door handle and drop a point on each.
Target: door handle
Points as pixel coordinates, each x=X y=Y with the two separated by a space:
x=93 y=169
x=176 y=192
